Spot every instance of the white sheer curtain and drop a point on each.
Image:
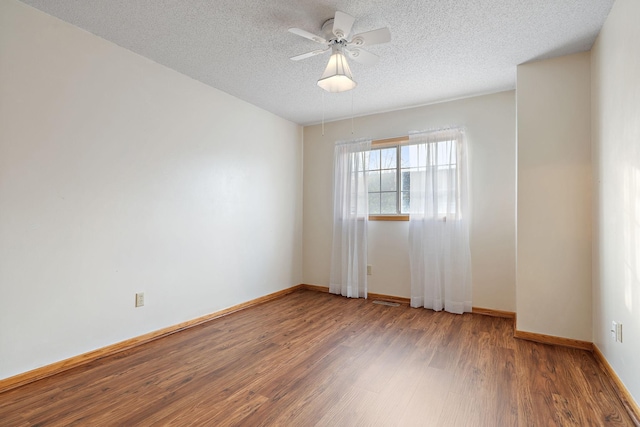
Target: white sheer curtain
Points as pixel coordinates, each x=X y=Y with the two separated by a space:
x=350 y=217
x=440 y=258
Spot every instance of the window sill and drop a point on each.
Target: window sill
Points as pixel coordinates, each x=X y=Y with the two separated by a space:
x=388 y=217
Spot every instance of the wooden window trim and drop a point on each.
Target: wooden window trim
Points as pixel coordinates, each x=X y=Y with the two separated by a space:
x=390 y=142
x=388 y=217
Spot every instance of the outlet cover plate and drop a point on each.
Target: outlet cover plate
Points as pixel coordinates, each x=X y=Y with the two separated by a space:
x=139 y=299
x=619 y=332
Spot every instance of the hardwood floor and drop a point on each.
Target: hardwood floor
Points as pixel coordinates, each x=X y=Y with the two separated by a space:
x=313 y=358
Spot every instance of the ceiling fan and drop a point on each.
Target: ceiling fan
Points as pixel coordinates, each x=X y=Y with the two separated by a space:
x=337 y=76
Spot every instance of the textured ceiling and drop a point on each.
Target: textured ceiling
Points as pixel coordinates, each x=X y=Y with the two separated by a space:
x=440 y=49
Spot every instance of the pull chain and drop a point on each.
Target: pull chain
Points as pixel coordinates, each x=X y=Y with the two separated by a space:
x=352 y=112
x=323 y=113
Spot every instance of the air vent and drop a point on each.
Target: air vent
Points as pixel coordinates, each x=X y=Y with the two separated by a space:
x=387 y=303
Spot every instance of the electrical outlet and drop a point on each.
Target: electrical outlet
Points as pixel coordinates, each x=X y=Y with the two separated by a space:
x=368 y=270
x=139 y=299
x=616 y=331
x=619 y=332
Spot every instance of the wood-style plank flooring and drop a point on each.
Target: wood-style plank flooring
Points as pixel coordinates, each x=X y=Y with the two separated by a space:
x=313 y=358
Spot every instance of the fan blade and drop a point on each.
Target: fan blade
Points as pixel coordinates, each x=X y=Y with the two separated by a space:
x=342 y=24
x=308 y=54
x=381 y=35
x=362 y=56
x=307 y=35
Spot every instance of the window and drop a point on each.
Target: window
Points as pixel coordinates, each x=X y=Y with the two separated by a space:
x=390 y=165
x=388 y=177
x=382 y=178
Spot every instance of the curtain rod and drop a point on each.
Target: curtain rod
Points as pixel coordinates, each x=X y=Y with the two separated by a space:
x=396 y=139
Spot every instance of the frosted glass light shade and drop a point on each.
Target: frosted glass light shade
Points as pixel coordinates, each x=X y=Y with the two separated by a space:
x=337 y=76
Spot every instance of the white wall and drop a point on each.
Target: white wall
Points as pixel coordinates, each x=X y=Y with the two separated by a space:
x=553 y=290
x=616 y=181
x=490 y=122
x=118 y=175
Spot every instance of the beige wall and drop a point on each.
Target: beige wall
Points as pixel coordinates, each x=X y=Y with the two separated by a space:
x=553 y=290
x=616 y=181
x=118 y=175
x=490 y=123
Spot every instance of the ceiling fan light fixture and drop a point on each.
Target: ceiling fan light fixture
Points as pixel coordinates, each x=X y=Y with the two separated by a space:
x=337 y=76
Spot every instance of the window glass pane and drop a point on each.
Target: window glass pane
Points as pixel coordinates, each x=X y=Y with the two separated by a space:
x=416 y=156
x=388 y=180
x=388 y=203
x=373 y=181
x=388 y=158
x=432 y=153
x=405 y=183
x=446 y=190
x=446 y=153
x=443 y=201
x=374 y=160
x=405 y=202
x=374 y=203
x=417 y=177
x=422 y=154
x=405 y=160
x=446 y=179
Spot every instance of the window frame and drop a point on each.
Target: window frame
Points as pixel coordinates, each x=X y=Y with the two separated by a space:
x=397 y=142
